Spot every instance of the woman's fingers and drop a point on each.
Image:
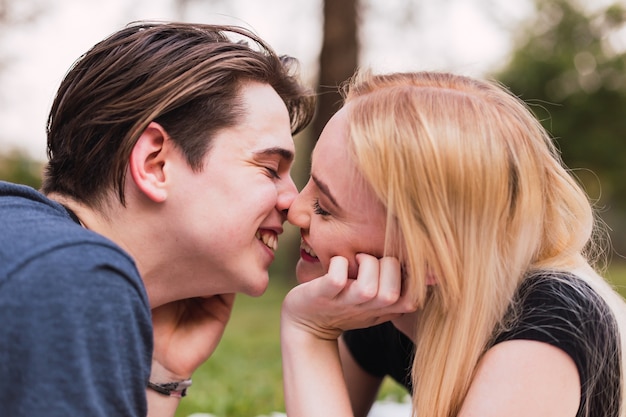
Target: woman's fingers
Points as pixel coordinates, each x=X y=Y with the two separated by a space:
x=364 y=288
x=334 y=303
x=334 y=282
x=390 y=284
x=378 y=283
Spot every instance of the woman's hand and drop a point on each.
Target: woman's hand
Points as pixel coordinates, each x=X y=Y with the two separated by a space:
x=315 y=313
x=328 y=305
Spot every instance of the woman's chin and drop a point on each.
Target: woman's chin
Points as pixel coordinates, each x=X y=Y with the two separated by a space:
x=308 y=271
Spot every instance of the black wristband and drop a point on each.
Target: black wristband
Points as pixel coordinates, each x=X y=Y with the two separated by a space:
x=171 y=389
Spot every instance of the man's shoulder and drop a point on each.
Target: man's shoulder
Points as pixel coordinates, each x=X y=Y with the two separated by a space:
x=40 y=239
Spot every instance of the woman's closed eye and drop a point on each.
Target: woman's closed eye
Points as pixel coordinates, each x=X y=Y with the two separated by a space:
x=317 y=209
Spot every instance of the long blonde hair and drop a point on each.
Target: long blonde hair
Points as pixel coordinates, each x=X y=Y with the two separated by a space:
x=474 y=186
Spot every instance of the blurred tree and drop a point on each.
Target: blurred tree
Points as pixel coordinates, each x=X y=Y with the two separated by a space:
x=338 y=58
x=569 y=66
x=17 y=167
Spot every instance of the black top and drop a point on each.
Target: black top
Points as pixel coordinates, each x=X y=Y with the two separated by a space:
x=555 y=308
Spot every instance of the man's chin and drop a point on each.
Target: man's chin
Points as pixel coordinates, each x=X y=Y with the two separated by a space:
x=257 y=287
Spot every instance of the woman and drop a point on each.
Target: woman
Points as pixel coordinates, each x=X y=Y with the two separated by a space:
x=444 y=227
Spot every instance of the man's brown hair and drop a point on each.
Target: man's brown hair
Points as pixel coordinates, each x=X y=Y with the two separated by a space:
x=186 y=77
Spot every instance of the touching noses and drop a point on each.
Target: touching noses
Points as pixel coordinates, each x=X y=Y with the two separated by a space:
x=287 y=193
x=298 y=214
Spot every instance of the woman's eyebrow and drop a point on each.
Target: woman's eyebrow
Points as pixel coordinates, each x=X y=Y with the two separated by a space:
x=324 y=189
x=285 y=154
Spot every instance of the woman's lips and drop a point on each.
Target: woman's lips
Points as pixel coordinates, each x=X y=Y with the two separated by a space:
x=307 y=253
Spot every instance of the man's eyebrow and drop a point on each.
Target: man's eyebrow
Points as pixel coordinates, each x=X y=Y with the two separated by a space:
x=284 y=153
x=324 y=189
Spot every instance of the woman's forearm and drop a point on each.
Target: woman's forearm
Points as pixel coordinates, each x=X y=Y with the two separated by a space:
x=312 y=377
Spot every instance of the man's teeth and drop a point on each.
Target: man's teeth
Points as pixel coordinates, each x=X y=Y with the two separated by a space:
x=268 y=238
x=307 y=249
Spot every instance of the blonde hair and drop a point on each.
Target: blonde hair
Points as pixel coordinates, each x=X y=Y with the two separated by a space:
x=475 y=188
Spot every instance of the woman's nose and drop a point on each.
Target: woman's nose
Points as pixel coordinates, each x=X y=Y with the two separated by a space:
x=298 y=214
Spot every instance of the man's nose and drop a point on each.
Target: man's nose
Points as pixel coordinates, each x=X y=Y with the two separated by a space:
x=287 y=193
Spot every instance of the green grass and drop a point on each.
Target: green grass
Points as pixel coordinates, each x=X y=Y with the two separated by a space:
x=243 y=377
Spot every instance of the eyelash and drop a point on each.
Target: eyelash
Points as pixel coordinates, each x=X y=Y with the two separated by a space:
x=273 y=173
x=317 y=209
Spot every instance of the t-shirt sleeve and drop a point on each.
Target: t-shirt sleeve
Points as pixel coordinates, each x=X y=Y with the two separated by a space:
x=82 y=332
x=567 y=313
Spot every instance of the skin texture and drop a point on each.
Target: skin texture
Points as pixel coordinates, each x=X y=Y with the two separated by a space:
x=343 y=288
x=513 y=372
x=339 y=215
x=213 y=216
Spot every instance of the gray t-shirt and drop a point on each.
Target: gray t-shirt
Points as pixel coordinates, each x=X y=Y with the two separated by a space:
x=75 y=332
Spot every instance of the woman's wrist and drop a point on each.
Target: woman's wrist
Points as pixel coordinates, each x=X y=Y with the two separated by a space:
x=309 y=331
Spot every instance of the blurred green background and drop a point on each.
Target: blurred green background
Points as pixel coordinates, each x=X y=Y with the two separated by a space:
x=568 y=63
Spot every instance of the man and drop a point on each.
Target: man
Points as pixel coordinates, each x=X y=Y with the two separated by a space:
x=167 y=185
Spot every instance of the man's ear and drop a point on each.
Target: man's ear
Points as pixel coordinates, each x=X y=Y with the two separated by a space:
x=147 y=162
